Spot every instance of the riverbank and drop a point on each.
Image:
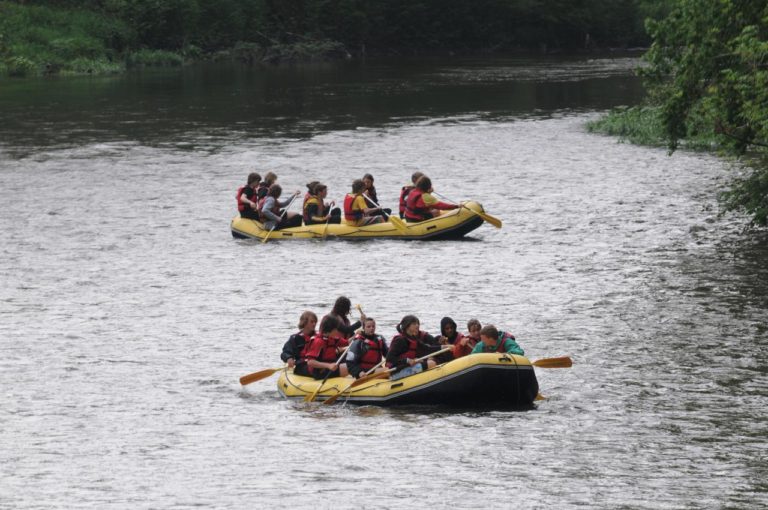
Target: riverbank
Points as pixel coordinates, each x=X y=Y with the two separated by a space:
x=642 y=125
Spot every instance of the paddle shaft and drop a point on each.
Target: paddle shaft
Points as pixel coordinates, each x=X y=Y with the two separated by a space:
x=312 y=397
x=397 y=222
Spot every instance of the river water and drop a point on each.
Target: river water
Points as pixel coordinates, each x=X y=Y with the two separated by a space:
x=128 y=313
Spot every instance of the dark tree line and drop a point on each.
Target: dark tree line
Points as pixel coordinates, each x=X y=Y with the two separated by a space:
x=400 y=26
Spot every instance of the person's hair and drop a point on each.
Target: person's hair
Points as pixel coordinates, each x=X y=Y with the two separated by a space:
x=319 y=188
x=270 y=178
x=368 y=176
x=424 y=183
x=329 y=324
x=275 y=191
x=253 y=177
x=471 y=323
x=358 y=186
x=368 y=319
x=407 y=321
x=342 y=306
x=490 y=331
x=305 y=318
x=312 y=187
x=416 y=176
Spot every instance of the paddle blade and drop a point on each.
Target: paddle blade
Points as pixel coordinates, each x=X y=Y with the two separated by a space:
x=562 y=362
x=539 y=396
x=257 y=376
x=493 y=220
x=399 y=224
x=334 y=398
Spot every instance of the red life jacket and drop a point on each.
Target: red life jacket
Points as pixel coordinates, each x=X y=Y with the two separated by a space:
x=414 y=212
x=323 y=348
x=404 y=192
x=373 y=351
x=240 y=205
x=349 y=214
x=303 y=352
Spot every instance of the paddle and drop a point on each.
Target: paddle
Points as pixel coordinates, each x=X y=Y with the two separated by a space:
x=311 y=397
x=397 y=222
x=487 y=217
x=258 y=376
x=562 y=362
x=266 y=238
x=356 y=382
x=381 y=375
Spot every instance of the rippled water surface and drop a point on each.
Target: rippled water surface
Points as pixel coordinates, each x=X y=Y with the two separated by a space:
x=128 y=313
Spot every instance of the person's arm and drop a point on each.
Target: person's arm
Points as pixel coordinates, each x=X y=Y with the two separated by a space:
x=360 y=204
x=312 y=212
x=290 y=351
x=266 y=210
x=511 y=347
x=433 y=203
x=398 y=347
x=354 y=354
x=248 y=198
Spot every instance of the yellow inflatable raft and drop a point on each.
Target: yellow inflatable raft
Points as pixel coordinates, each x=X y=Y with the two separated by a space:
x=450 y=225
x=477 y=380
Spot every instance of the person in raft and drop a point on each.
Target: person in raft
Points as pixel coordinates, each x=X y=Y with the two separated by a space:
x=271 y=214
x=316 y=211
x=466 y=343
x=247 y=200
x=421 y=205
x=269 y=179
x=340 y=312
x=369 y=193
x=366 y=351
x=356 y=210
x=294 y=350
x=406 y=190
x=493 y=340
x=411 y=343
x=325 y=349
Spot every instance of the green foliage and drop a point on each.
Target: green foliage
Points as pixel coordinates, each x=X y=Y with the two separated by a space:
x=156 y=58
x=709 y=75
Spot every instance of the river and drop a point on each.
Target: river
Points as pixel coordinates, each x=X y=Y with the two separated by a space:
x=128 y=312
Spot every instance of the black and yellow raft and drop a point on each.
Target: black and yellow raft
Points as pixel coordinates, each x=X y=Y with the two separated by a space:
x=478 y=380
x=452 y=224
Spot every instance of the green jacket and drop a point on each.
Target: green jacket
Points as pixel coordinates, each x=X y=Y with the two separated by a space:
x=509 y=343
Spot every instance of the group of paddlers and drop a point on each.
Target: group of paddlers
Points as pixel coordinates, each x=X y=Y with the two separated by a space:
x=260 y=200
x=338 y=348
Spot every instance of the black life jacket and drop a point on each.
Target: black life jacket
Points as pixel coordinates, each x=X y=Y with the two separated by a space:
x=312 y=200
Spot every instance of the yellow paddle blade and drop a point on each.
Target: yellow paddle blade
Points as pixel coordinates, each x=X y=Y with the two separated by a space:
x=539 y=396
x=562 y=362
x=493 y=220
x=258 y=376
x=398 y=223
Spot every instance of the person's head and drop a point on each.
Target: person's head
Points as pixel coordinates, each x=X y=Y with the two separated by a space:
x=308 y=320
x=369 y=326
x=330 y=326
x=312 y=187
x=415 y=177
x=489 y=335
x=358 y=186
x=368 y=181
x=321 y=190
x=270 y=178
x=409 y=325
x=275 y=191
x=424 y=184
x=342 y=306
x=447 y=327
x=254 y=179
x=474 y=327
